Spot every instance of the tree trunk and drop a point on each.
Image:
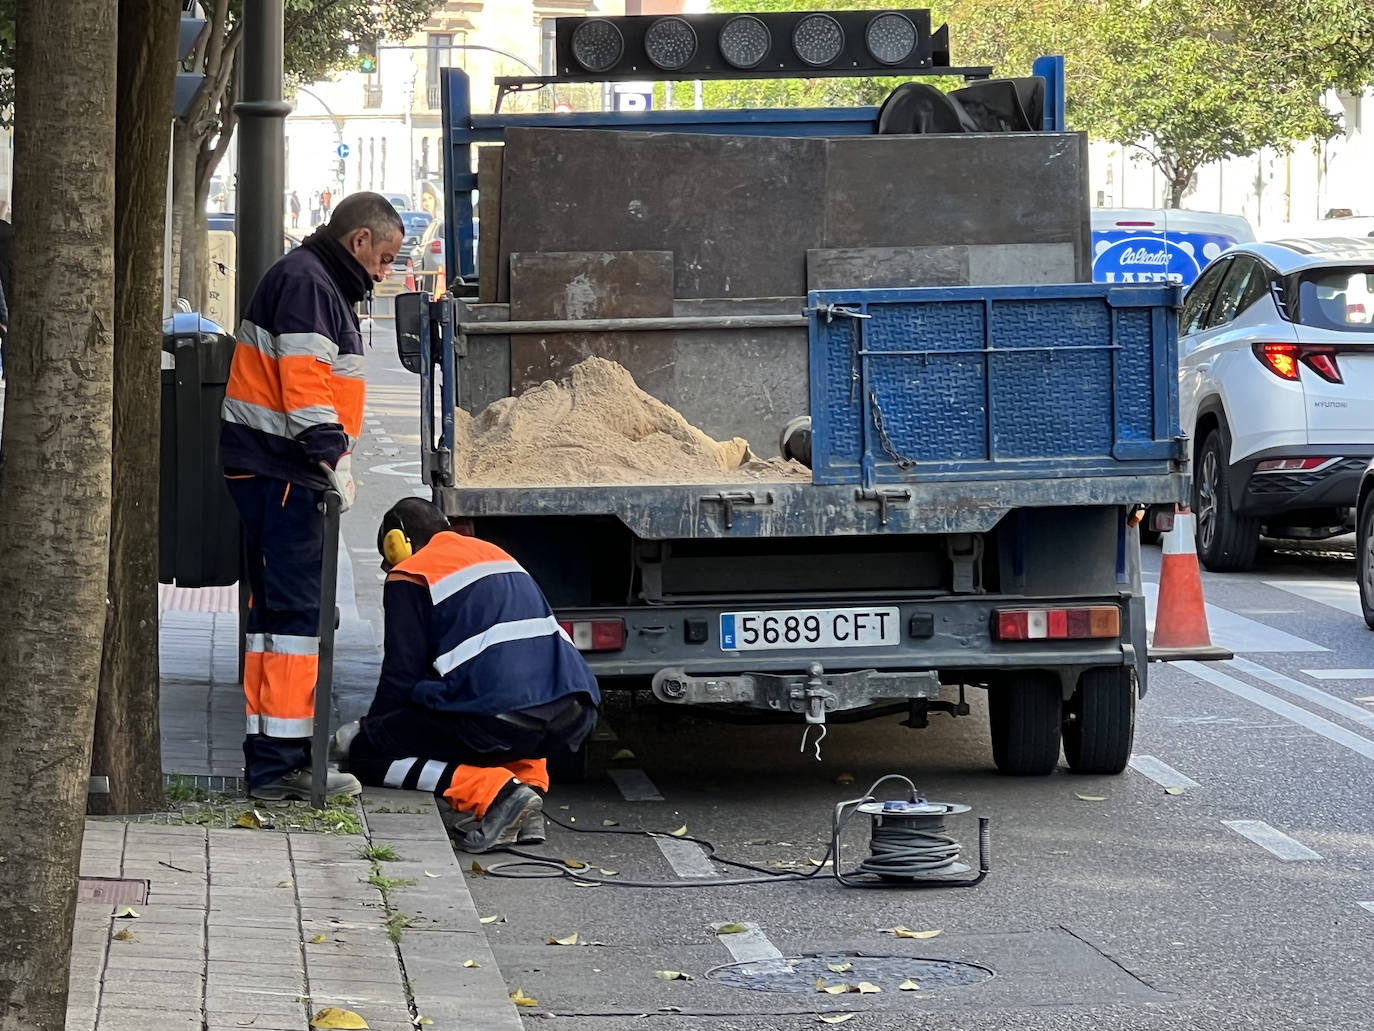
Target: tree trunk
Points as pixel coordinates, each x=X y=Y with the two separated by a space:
x=128 y=739
x=54 y=487
x=190 y=243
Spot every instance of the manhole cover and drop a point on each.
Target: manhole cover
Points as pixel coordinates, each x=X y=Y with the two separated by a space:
x=799 y=973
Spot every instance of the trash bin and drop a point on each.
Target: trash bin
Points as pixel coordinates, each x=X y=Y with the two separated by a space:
x=198 y=540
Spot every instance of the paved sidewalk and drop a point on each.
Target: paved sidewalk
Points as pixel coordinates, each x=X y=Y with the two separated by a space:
x=262 y=928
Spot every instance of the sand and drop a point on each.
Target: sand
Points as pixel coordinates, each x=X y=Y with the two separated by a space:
x=597 y=427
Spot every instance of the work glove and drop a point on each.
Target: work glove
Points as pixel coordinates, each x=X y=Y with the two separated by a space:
x=341 y=479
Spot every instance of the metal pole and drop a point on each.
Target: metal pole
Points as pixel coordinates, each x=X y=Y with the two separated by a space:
x=324 y=680
x=262 y=145
x=623 y=325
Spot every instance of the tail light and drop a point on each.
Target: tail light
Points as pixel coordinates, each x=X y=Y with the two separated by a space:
x=595 y=635
x=436 y=246
x=1056 y=624
x=1283 y=360
x=1291 y=465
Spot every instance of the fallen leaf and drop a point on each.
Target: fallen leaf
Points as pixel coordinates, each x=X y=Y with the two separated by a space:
x=285 y=884
x=818 y=862
x=610 y=823
x=731 y=929
x=609 y=873
x=573 y=864
x=125 y=935
x=1091 y=798
x=423 y=1021
x=493 y=919
x=319 y=939
x=867 y=988
x=670 y=1009
x=569 y=940
x=839 y=968
x=902 y=932
x=672 y=975
x=909 y=986
x=428 y=874
x=334 y=1017
x=586 y=884
x=834 y=1018
x=1174 y=790
x=249 y=819
x=478 y=869
x=680 y=831
x=622 y=755
x=834 y=989
x=126 y=913
x=565 y=807
x=845 y=778
x=521 y=999
x=471 y=964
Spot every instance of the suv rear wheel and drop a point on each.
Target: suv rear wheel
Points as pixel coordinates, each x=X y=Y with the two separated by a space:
x=1226 y=542
x=1364 y=557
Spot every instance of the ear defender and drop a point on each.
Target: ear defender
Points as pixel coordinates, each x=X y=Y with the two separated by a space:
x=396 y=547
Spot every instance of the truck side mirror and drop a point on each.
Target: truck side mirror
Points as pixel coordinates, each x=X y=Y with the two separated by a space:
x=411 y=323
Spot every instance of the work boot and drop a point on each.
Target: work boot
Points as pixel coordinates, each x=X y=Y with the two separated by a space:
x=533 y=831
x=512 y=808
x=458 y=821
x=297 y=786
x=341 y=742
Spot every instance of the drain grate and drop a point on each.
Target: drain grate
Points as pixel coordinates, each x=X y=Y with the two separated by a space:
x=799 y=973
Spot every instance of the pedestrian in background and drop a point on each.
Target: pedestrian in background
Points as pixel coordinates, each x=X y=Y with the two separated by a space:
x=314 y=208
x=326 y=202
x=295 y=209
x=293 y=411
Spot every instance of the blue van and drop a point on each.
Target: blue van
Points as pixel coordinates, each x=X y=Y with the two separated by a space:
x=1151 y=245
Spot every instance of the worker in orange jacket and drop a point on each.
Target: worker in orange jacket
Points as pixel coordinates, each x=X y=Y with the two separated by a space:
x=293 y=411
x=479 y=682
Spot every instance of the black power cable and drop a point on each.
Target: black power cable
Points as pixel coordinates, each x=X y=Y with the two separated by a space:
x=907 y=850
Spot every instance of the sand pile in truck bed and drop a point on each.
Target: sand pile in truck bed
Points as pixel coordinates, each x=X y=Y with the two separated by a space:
x=597 y=426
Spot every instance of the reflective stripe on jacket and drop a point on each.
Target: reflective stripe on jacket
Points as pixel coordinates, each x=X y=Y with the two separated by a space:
x=493 y=645
x=296 y=390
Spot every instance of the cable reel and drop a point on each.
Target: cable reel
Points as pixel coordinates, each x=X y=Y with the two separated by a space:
x=909 y=844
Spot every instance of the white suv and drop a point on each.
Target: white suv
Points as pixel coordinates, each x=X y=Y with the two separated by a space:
x=1276 y=384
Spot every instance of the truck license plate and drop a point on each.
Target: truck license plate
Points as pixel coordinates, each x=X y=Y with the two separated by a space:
x=809 y=628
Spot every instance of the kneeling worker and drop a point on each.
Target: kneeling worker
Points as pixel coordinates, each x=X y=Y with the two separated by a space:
x=479 y=682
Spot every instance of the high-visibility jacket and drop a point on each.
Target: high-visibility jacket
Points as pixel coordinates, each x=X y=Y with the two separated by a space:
x=296 y=390
x=469 y=631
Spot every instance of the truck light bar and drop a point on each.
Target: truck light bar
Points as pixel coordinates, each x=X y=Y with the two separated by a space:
x=1056 y=624
x=595 y=635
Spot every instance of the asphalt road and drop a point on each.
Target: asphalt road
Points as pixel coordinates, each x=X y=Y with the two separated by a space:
x=1246 y=900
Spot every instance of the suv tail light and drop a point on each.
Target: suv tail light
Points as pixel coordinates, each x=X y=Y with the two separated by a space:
x=1283 y=359
x=436 y=246
x=1290 y=465
x=1056 y=624
x=595 y=635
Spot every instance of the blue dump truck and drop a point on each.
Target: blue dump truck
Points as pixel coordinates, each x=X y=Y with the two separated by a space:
x=899 y=298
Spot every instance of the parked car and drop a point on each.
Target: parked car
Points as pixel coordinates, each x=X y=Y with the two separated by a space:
x=1276 y=384
x=1151 y=245
x=399 y=201
x=415 y=223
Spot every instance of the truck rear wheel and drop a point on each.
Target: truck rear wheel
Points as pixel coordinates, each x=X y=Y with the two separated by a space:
x=1099 y=721
x=1026 y=714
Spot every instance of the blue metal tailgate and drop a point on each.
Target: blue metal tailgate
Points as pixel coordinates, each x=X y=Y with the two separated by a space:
x=978 y=383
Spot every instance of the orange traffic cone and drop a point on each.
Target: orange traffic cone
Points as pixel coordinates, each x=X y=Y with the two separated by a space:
x=1181 y=615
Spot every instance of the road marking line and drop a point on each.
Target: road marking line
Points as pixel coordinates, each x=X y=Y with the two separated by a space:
x=1275 y=841
x=384 y=439
x=1339 y=735
x=1335 y=593
x=751 y=946
x=1339 y=706
x=635 y=785
x=1236 y=632
x=687 y=858
x=1339 y=674
x=1161 y=772
x=1366 y=905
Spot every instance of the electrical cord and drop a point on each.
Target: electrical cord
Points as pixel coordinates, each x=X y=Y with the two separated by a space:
x=904 y=851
